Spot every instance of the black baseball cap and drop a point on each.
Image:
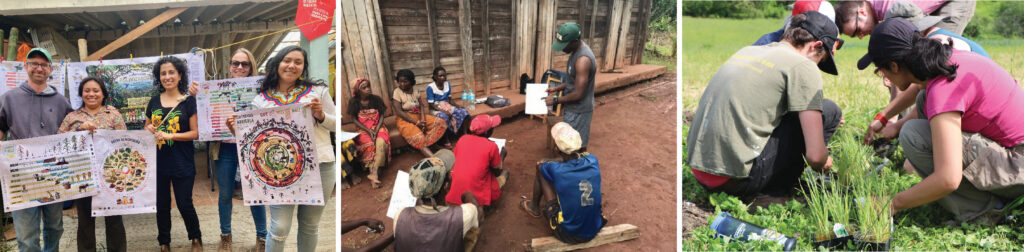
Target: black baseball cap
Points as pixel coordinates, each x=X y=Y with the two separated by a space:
x=826 y=31
x=890 y=39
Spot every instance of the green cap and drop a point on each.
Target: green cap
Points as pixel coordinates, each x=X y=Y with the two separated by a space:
x=568 y=32
x=40 y=50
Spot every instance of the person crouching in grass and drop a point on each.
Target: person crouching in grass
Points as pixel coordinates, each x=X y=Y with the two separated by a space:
x=763 y=114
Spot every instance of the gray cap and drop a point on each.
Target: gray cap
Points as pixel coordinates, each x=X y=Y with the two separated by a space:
x=910 y=12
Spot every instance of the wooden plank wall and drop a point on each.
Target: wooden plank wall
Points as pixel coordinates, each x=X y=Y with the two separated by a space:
x=492 y=44
x=508 y=37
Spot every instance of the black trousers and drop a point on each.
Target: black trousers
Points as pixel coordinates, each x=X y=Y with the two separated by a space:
x=87 y=229
x=183 y=198
x=779 y=166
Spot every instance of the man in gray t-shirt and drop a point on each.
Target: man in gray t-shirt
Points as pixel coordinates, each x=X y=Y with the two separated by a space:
x=579 y=81
x=763 y=113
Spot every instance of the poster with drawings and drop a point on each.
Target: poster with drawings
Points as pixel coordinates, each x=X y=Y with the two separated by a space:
x=45 y=170
x=129 y=82
x=13 y=74
x=126 y=161
x=218 y=99
x=277 y=157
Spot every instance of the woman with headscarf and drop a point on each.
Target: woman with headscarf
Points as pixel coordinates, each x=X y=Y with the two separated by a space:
x=373 y=142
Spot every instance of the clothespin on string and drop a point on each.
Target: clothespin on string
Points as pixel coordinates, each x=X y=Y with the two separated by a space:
x=131 y=58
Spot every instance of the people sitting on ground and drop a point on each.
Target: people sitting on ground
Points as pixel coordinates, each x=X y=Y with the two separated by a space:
x=418 y=128
x=965 y=138
x=927 y=25
x=372 y=225
x=431 y=225
x=763 y=114
x=478 y=162
x=799 y=7
x=572 y=187
x=374 y=141
x=439 y=97
x=859 y=18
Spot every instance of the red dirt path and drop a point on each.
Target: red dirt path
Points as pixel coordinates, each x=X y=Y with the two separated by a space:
x=633 y=136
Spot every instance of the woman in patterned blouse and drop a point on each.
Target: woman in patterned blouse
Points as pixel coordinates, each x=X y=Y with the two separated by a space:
x=94 y=114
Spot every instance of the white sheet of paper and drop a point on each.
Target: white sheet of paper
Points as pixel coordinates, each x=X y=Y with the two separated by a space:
x=500 y=142
x=345 y=136
x=284 y=169
x=535 y=94
x=401 y=196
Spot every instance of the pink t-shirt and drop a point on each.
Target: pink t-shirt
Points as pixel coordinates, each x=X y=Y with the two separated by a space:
x=882 y=6
x=991 y=101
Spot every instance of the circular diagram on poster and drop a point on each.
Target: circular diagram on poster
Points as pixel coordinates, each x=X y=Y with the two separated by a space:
x=278 y=157
x=124 y=170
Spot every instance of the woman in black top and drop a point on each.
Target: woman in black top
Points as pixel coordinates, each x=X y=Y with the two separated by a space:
x=171 y=116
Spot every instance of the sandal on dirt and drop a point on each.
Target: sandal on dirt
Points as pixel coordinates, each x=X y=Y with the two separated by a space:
x=524 y=206
x=375 y=184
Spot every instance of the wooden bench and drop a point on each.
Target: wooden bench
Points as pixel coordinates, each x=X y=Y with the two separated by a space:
x=617 y=233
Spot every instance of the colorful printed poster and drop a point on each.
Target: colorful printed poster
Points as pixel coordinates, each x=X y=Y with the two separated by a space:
x=129 y=82
x=13 y=74
x=126 y=161
x=45 y=170
x=218 y=99
x=277 y=157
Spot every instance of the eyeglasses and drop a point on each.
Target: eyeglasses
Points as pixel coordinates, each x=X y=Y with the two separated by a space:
x=37 y=65
x=239 y=63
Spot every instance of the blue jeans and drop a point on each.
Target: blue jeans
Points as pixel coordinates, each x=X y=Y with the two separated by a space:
x=308 y=217
x=226 y=167
x=26 y=224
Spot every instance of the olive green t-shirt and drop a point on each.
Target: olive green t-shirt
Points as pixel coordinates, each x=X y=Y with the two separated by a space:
x=744 y=102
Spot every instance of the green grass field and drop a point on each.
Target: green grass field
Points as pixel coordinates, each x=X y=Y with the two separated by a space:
x=707 y=43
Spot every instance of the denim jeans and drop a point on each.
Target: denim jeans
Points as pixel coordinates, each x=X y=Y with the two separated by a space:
x=226 y=168
x=308 y=217
x=183 y=197
x=26 y=224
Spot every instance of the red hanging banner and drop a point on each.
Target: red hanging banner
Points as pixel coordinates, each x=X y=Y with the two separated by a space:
x=314 y=17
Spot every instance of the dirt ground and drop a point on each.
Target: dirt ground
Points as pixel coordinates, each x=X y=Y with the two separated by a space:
x=633 y=136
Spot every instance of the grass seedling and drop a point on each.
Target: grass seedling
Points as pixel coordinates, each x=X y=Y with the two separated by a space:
x=852 y=160
x=828 y=205
x=874 y=211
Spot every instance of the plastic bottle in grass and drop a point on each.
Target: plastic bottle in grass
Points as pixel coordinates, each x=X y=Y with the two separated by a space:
x=725 y=225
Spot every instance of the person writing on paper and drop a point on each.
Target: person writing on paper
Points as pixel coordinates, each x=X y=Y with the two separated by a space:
x=171 y=116
x=572 y=187
x=374 y=140
x=35 y=109
x=226 y=164
x=418 y=128
x=578 y=89
x=965 y=139
x=439 y=97
x=477 y=166
x=288 y=83
x=93 y=115
x=431 y=225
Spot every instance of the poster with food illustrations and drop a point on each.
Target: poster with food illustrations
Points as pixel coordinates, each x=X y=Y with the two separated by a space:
x=218 y=99
x=45 y=170
x=277 y=157
x=129 y=82
x=126 y=161
x=13 y=74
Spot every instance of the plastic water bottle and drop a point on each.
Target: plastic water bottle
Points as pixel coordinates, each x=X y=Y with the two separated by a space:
x=725 y=225
x=472 y=100
x=465 y=98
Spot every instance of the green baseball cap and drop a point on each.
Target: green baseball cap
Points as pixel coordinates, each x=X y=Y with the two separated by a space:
x=40 y=50
x=568 y=32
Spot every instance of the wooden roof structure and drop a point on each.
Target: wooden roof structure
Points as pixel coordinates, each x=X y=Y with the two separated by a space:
x=58 y=26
